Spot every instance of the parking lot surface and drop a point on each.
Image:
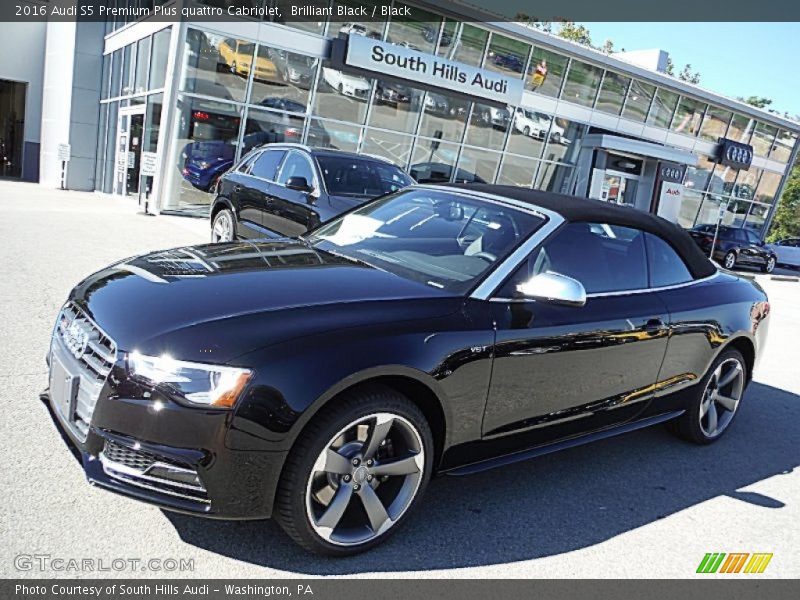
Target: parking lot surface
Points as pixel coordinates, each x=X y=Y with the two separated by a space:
x=640 y=505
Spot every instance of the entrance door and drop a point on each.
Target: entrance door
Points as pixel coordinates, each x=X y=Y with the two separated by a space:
x=12 y=127
x=619 y=188
x=130 y=133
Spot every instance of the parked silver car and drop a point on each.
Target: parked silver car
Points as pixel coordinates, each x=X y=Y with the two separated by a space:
x=787 y=251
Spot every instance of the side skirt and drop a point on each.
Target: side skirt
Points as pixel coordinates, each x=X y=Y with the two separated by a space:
x=508 y=459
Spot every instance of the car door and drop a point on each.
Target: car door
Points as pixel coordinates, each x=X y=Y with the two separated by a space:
x=756 y=247
x=255 y=193
x=293 y=212
x=558 y=370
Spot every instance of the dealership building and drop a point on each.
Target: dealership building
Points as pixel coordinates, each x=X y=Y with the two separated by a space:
x=157 y=111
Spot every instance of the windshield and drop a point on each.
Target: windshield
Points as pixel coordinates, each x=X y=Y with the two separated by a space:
x=442 y=239
x=345 y=176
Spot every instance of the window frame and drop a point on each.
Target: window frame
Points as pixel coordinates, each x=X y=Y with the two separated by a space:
x=278 y=166
x=311 y=163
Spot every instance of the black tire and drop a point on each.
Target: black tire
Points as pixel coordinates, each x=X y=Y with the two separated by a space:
x=526 y=131
x=688 y=425
x=727 y=258
x=290 y=501
x=770 y=266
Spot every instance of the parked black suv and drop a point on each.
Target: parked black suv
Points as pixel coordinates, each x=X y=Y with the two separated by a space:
x=288 y=189
x=735 y=246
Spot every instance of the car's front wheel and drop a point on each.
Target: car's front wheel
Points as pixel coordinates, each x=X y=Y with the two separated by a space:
x=717 y=401
x=223 y=228
x=770 y=266
x=730 y=260
x=355 y=473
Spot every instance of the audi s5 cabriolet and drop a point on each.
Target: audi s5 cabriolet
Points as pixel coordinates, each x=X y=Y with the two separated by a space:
x=323 y=380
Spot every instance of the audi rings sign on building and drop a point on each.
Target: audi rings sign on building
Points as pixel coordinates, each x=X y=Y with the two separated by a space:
x=671 y=172
x=734 y=154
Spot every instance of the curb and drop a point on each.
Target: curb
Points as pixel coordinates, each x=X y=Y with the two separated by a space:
x=784 y=278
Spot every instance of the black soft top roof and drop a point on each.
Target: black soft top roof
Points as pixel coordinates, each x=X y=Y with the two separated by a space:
x=581 y=210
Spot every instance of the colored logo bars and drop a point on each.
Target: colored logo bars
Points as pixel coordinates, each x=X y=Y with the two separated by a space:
x=735 y=562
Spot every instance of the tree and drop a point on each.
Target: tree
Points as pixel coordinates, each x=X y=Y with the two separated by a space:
x=608 y=47
x=688 y=75
x=575 y=33
x=786 y=222
x=757 y=101
x=670 y=68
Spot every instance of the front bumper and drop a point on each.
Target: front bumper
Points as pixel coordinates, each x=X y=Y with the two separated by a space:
x=143 y=445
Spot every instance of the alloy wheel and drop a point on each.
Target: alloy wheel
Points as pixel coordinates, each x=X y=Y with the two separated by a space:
x=730 y=260
x=365 y=479
x=770 y=265
x=223 y=228
x=721 y=397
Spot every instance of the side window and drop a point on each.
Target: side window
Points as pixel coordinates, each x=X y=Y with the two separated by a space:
x=752 y=238
x=666 y=267
x=739 y=236
x=603 y=257
x=266 y=164
x=244 y=167
x=296 y=165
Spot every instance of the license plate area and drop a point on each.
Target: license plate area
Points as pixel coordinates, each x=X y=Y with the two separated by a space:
x=63 y=389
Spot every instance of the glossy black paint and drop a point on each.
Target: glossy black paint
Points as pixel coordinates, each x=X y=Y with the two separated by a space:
x=494 y=377
x=266 y=208
x=746 y=245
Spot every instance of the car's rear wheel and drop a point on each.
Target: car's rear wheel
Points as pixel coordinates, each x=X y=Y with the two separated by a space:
x=770 y=266
x=730 y=260
x=355 y=473
x=717 y=401
x=223 y=228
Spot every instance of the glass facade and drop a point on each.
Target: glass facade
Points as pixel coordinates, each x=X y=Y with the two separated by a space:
x=235 y=93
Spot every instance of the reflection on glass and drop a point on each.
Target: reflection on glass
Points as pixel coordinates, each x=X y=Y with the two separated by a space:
x=763 y=138
x=265 y=127
x=529 y=132
x=392 y=146
x=342 y=96
x=546 y=72
x=105 y=86
x=206 y=138
x=466 y=45
x=111 y=141
x=127 y=69
x=443 y=117
x=757 y=217
x=419 y=33
x=142 y=66
x=690 y=205
x=432 y=162
x=782 y=149
x=582 y=83
x=116 y=74
x=662 y=109
x=507 y=55
x=564 y=140
x=715 y=123
x=283 y=79
x=517 y=170
x=488 y=126
x=329 y=134
x=395 y=106
x=612 y=93
x=745 y=185
x=688 y=116
x=216 y=66
x=709 y=210
x=723 y=181
x=160 y=57
x=640 y=95
x=155 y=103
x=741 y=129
x=556 y=178
x=372 y=30
x=768 y=187
x=480 y=162
x=697 y=177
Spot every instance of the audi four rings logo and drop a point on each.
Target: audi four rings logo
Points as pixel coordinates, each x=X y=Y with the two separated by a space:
x=738 y=154
x=671 y=173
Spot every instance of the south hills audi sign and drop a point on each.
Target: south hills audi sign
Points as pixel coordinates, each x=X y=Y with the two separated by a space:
x=382 y=58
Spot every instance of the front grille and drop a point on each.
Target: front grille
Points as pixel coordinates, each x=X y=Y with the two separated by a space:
x=151 y=472
x=94 y=355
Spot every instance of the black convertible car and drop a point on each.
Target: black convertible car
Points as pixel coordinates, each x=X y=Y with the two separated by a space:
x=440 y=329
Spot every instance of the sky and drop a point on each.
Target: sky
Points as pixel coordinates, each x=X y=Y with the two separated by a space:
x=734 y=59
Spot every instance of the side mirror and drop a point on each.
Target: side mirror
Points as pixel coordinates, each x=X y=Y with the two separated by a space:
x=450 y=211
x=299 y=183
x=555 y=288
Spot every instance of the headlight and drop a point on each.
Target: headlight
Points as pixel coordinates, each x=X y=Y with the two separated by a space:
x=204 y=165
x=200 y=384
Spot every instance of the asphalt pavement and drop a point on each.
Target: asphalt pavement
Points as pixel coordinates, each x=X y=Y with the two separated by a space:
x=644 y=504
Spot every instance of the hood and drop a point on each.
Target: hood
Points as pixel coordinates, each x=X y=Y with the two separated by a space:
x=184 y=301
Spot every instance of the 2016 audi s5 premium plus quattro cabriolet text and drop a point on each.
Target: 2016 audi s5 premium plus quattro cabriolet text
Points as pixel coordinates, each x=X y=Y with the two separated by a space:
x=323 y=380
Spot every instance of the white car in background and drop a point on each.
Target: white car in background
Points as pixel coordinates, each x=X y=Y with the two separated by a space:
x=345 y=84
x=531 y=123
x=787 y=251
